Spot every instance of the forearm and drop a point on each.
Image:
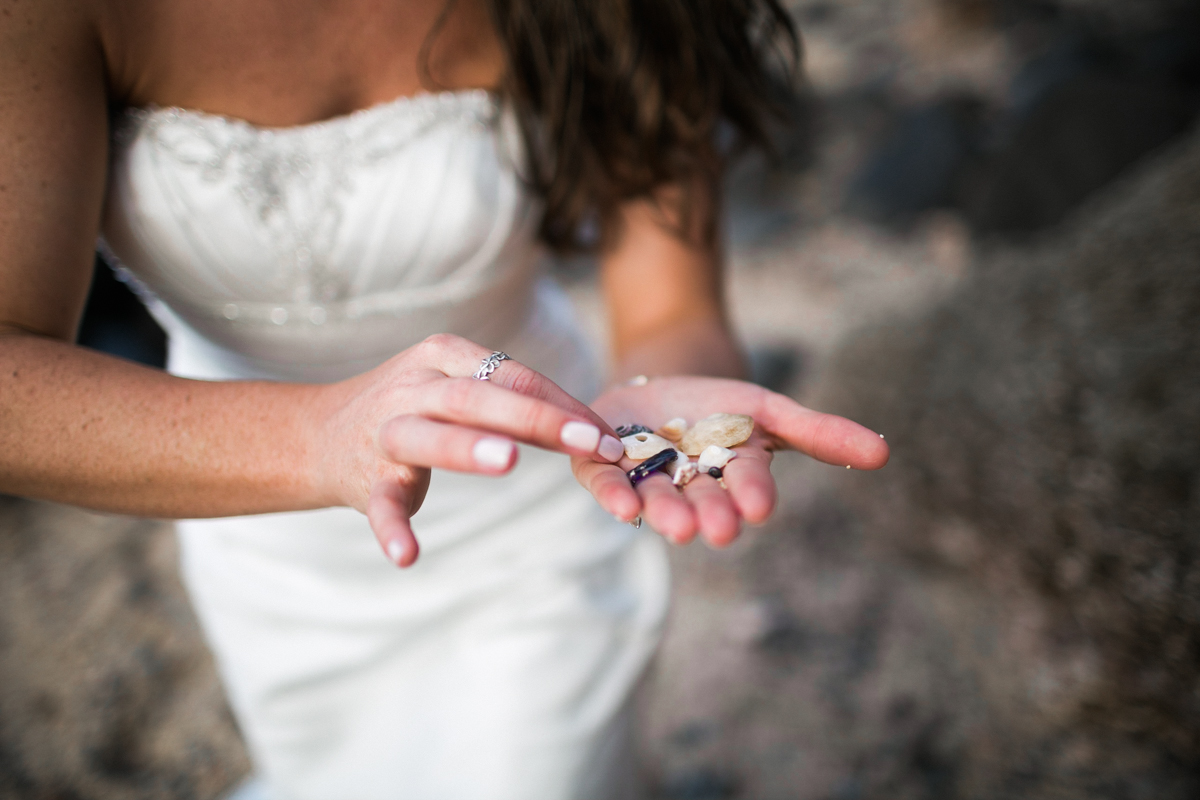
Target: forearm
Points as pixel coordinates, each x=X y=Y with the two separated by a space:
x=702 y=346
x=83 y=428
x=663 y=287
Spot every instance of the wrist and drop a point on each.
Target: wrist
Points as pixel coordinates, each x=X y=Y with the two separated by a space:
x=317 y=475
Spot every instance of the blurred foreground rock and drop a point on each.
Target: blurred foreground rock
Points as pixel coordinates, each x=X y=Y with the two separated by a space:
x=1045 y=422
x=106 y=690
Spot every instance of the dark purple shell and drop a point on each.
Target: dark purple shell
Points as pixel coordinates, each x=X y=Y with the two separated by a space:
x=630 y=430
x=650 y=465
x=715 y=472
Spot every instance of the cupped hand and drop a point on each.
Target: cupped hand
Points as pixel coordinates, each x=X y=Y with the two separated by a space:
x=378 y=434
x=704 y=508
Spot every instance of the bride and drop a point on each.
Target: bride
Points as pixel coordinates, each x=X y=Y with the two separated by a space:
x=338 y=211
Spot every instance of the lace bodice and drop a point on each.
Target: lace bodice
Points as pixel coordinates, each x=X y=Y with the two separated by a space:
x=330 y=245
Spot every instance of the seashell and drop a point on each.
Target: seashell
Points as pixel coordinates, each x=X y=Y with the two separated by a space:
x=726 y=430
x=630 y=430
x=716 y=456
x=674 y=429
x=716 y=472
x=644 y=445
x=685 y=470
x=650 y=465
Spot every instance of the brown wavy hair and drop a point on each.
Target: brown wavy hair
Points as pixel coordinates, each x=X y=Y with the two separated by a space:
x=617 y=99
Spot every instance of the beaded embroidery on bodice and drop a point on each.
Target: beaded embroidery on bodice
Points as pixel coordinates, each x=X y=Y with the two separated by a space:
x=407 y=211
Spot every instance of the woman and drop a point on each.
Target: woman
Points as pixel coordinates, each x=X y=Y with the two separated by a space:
x=335 y=252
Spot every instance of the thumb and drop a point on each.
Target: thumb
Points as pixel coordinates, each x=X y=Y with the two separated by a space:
x=388 y=512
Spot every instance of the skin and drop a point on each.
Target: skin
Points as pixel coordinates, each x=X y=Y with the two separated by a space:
x=80 y=427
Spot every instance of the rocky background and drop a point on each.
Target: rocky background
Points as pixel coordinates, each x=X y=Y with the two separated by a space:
x=984 y=242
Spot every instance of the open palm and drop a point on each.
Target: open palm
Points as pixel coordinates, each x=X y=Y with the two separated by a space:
x=703 y=507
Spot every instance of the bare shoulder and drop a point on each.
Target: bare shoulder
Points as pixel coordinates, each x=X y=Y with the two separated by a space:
x=27 y=26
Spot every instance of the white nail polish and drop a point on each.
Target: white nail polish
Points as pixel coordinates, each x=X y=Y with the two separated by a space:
x=580 y=436
x=610 y=448
x=394 y=551
x=493 y=453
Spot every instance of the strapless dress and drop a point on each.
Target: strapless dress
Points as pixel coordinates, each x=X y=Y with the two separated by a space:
x=501 y=665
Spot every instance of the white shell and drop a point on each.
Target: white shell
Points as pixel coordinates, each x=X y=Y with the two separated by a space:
x=715 y=456
x=673 y=429
x=685 y=470
x=640 y=446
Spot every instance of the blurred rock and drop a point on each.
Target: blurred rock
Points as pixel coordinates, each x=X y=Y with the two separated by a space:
x=1045 y=425
x=106 y=688
x=1077 y=137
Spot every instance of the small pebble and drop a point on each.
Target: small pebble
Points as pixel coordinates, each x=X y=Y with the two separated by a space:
x=715 y=472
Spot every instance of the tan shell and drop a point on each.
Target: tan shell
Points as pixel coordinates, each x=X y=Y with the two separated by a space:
x=640 y=446
x=725 y=430
x=715 y=456
x=673 y=429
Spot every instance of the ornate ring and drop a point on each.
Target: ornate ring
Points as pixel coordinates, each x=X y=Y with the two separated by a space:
x=489 y=364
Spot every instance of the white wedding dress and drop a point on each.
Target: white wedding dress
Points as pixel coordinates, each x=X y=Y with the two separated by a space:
x=501 y=664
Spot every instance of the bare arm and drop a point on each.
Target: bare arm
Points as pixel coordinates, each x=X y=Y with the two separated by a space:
x=666 y=300
x=84 y=428
x=78 y=426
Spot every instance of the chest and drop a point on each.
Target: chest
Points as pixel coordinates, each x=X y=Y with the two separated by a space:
x=290 y=62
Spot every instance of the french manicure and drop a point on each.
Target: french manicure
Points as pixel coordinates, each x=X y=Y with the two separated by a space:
x=395 y=551
x=493 y=453
x=610 y=448
x=580 y=435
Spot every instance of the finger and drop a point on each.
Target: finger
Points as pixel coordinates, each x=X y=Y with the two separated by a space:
x=483 y=405
x=421 y=442
x=610 y=486
x=825 y=437
x=718 y=518
x=388 y=513
x=665 y=510
x=751 y=486
x=458 y=357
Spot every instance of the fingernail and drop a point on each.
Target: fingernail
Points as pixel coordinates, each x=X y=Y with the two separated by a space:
x=580 y=435
x=610 y=448
x=395 y=551
x=493 y=453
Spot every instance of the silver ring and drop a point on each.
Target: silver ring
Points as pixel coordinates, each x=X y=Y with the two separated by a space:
x=489 y=364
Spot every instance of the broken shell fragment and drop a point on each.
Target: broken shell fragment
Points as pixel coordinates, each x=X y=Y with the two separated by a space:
x=630 y=430
x=644 y=445
x=725 y=430
x=716 y=456
x=685 y=470
x=673 y=429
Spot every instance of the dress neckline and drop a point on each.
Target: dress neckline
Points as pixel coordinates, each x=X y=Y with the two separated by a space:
x=400 y=106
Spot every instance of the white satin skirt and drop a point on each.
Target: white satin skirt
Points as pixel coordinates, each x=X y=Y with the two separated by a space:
x=498 y=666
